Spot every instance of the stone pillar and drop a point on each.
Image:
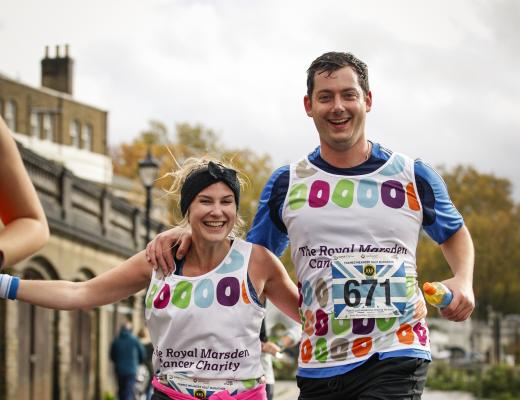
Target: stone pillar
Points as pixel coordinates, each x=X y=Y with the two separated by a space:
x=106 y=208
x=66 y=194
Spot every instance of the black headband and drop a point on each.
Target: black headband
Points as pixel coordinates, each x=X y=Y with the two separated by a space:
x=201 y=178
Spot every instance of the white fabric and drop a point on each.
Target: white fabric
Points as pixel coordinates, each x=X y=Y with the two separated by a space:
x=206 y=326
x=327 y=215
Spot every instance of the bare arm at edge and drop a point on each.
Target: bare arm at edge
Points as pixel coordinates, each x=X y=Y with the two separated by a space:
x=111 y=286
x=26 y=229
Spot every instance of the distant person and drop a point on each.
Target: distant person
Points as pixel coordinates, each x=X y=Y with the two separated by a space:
x=126 y=353
x=204 y=320
x=144 y=337
x=290 y=334
x=25 y=227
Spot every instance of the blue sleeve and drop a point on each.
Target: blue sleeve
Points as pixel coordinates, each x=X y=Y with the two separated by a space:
x=440 y=217
x=268 y=228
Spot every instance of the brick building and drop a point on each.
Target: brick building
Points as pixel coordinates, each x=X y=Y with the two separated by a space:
x=50 y=121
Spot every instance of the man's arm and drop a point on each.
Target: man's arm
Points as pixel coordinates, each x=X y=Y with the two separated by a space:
x=459 y=253
x=444 y=224
x=268 y=229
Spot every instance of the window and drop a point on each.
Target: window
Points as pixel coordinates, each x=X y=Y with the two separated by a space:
x=75 y=130
x=48 y=127
x=35 y=124
x=87 y=137
x=10 y=115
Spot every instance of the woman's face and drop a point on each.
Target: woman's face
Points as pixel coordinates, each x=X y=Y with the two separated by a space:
x=213 y=213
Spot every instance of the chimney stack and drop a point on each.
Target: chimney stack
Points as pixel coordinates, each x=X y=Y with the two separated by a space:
x=57 y=71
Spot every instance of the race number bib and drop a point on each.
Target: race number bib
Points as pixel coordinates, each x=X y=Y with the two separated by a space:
x=204 y=388
x=368 y=285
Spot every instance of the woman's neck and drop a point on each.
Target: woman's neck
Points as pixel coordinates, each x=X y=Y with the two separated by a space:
x=204 y=256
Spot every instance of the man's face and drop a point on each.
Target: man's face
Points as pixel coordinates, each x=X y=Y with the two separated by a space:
x=338 y=107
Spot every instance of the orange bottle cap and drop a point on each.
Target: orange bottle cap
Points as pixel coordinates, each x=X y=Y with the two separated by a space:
x=428 y=288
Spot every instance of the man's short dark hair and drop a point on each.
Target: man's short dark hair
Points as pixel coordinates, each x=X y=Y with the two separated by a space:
x=332 y=61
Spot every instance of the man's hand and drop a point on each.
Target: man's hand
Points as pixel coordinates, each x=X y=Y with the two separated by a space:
x=463 y=301
x=159 y=250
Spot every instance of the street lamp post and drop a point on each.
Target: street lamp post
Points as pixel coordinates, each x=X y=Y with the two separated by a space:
x=148 y=169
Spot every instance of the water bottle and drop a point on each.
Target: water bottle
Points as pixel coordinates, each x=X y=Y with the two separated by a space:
x=437 y=294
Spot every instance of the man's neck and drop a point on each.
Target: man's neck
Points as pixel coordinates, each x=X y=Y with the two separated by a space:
x=347 y=158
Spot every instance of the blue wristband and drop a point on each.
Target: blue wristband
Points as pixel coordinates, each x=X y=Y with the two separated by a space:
x=8 y=286
x=13 y=289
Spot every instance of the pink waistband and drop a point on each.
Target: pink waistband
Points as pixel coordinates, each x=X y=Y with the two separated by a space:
x=258 y=393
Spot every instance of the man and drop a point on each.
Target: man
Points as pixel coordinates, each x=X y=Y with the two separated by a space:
x=352 y=211
x=127 y=353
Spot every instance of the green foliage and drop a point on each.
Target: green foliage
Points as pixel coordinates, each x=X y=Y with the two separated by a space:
x=157 y=133
x=477 y=193
x=285 y=367
x=285 y=370
x=493 y=218
x=197 y=140
x=443 y=377
x=108 y=396
x=499 y=382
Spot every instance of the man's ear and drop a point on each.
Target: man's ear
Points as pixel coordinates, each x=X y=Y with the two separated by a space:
x=308 y=105
x=368 y=101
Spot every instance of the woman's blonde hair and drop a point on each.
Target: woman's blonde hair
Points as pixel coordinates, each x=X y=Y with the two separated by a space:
x=190 y=165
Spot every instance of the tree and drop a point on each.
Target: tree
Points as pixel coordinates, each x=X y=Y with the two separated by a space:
x=126 y=156
x=197 y=140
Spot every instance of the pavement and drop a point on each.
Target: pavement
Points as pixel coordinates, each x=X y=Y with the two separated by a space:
x=287 y=390
x=448 y=395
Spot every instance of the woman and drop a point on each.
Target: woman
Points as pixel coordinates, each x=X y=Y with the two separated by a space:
x=25 y=226
x=204 y=320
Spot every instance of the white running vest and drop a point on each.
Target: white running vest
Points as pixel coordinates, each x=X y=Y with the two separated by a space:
x=207 y=326
x=353 y=242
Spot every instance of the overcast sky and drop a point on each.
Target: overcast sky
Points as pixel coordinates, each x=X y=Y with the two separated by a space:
x=444 y=74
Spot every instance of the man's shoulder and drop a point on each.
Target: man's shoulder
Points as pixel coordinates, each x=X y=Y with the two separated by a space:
x=278 y=177
x=420 y=164
x=280 y=170
x=384 y=153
